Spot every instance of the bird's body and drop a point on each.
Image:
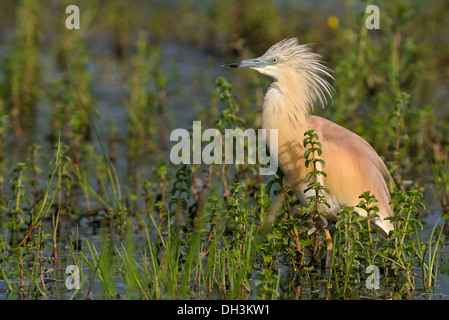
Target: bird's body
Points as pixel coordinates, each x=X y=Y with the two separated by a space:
x=351 y=165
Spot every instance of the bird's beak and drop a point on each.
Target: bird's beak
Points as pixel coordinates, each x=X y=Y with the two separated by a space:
x=249 y=63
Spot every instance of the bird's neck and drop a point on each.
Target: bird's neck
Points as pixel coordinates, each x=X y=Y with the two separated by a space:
x=286 y=108
x=286 y=111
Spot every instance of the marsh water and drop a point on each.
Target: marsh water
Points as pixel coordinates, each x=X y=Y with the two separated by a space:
x=187 y=70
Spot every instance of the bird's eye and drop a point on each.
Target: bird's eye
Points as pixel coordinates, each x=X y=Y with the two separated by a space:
x=274 y=60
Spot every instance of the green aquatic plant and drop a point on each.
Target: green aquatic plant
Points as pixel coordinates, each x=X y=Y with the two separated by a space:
x=21 y=88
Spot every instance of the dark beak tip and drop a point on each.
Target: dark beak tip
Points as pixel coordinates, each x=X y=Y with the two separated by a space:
x=231 y=65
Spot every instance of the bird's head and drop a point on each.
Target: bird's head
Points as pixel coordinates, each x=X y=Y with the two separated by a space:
x=288 y=61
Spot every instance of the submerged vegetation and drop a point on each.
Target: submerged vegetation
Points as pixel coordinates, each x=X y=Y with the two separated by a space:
x=86 y=180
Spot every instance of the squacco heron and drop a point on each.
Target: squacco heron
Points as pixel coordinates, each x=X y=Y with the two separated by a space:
x=352 y=166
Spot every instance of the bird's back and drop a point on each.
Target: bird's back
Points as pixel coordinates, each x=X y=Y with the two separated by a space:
x=352 y=167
